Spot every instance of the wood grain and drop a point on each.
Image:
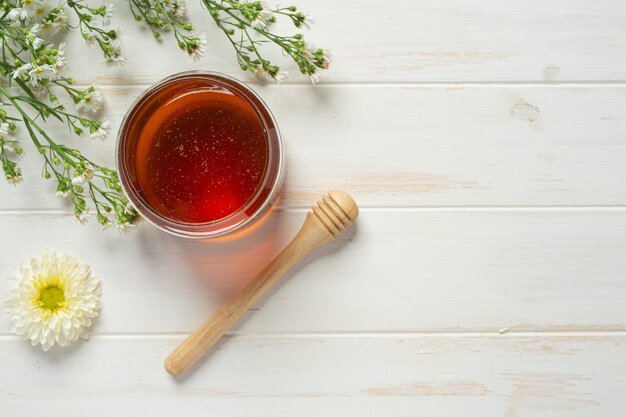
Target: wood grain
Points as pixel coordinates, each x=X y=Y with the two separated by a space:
x=485 y=140
x=403 y=270
x=421 y=146
x=425 y=41
x=504 y=375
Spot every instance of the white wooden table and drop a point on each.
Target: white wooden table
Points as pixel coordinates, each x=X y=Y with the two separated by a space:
x=486 y=144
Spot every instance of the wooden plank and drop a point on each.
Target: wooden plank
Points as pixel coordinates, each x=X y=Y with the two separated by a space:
x=425 y=41
x=352 y=376
x=398 y=270
x=422 y=146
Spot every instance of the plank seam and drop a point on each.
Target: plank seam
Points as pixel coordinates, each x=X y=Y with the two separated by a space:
x=64 y=213
x=369 y=335
x=426 y=84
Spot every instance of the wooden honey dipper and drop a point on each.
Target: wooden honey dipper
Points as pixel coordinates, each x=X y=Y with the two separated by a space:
x=329 y=218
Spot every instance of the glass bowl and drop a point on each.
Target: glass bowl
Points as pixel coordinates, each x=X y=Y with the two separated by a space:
x=128 y=162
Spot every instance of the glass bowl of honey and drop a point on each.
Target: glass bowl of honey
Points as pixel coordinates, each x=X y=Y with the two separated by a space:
x=199 y=155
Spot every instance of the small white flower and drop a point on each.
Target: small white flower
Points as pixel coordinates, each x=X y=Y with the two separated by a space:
x=125 y=227
x=31 y=7
x=130 y=209
x=308 y=21
x=106 y=224
x=24 y=69
x=92 y=101
x=17 y=14
x=115 y=53
x=33 y=37
x=258 y=24
x=327 y=59
x=60 y=58
x=51 y=26
x=62 y=194
x=53 y=301
x=280 y=77
x=41 y=11
x=14 y=179
x=108 y=14
x=87 y=174
x=262 y=20
x=83 y=217
x=34 y=30
x=197 y=51
x=261 y=73
x=5 y=130
x=42 y=72
x=102 y=131
x=178 y=8
x=37 y=43
x=314 y=78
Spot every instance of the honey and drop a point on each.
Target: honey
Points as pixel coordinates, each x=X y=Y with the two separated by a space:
x=198 y=151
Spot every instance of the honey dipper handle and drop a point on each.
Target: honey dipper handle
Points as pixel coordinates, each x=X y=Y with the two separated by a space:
x=310 y=236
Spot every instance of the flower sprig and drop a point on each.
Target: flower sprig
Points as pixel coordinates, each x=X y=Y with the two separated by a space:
x=92 y=25
x=34 y=68
x=163 y=15
x=247 y=25
x=9 y=147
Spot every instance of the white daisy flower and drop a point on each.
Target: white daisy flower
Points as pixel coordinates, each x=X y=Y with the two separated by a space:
x=34 y=30
x=17 y=14
x=103 y=130
x=19 y=71
x=41 y=11
x=52 y=26
x=31 y=7
x=92 y=100
x=37 y=43
x=33 y=36
x=54 y=300
x=42 y=72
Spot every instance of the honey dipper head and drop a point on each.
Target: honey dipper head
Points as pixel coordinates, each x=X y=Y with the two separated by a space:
x=336 y=210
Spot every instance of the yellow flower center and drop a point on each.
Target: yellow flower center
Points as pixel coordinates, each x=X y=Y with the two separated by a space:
x=51 y=297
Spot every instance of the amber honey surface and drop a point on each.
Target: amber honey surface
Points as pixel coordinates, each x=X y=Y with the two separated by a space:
x=201 y=152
